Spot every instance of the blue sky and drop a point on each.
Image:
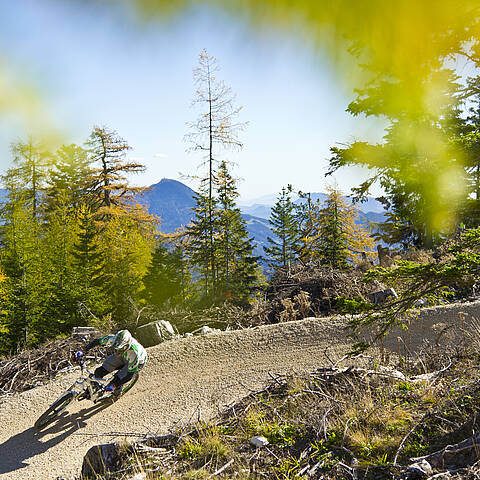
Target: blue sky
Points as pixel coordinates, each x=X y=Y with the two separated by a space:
x=95 y=67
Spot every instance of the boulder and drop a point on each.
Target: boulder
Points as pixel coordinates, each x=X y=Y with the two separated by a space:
x=381 y=296
x=154 y=333
x=101 y=459
x=84 y=333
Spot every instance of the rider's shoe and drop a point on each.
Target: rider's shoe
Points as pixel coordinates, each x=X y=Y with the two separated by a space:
x=84 y=396
x=116 y=394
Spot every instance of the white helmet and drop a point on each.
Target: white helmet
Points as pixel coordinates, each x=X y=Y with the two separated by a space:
x=123 y=339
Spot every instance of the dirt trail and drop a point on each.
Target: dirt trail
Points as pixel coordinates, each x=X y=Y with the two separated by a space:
x=195 y=376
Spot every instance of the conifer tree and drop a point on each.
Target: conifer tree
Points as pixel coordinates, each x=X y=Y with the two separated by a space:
x=164 y=278
x=468 y=138
x=22 y=263
x=308 y=215
x=283 y=249
x=107 y=152
x=342 y=241
x=31 y=163
x=199 y=248
x=59 y=235
x=126 y=245
x=69 y=176
x=216 y=127
x=234 y=249
x=88 y=258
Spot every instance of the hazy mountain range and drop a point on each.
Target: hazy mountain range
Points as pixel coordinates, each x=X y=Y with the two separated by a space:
x=173 y=203
x=261 y=206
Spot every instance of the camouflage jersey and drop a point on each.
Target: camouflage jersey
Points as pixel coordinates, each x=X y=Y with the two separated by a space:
x=135 y=355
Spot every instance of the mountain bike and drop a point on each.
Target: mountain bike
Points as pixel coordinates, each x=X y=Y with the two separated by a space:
x=86 y=387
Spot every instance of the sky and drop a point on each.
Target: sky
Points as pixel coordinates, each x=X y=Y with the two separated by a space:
x=96 y=66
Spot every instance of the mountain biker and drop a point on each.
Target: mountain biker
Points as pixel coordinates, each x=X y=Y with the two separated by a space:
x=128 y=359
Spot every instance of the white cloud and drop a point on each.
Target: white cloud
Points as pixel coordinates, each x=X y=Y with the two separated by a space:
x=160 y=155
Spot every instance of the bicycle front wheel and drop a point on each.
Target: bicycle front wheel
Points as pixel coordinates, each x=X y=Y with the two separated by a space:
x=54 y=410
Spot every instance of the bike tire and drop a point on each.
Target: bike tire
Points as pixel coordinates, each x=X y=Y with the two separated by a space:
x=52 y=412
x=130 y=384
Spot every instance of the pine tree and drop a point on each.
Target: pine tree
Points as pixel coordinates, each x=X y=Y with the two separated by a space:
x=283 y=249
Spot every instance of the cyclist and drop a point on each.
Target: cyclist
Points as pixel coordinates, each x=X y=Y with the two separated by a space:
x=128 y=359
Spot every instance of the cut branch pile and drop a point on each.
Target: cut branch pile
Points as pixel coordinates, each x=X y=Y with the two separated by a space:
x=322 y=285
x=31 y=368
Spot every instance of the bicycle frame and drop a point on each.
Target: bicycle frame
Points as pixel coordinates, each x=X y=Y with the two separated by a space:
x=85 y=387
x=88 y=383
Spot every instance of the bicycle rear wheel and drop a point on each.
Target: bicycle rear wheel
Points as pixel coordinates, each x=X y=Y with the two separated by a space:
x=130 y=384
x=54 y=410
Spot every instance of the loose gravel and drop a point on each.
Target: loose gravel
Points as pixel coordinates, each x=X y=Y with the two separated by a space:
x=185 y=379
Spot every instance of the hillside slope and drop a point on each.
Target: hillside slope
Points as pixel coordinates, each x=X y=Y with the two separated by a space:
x=190 y=377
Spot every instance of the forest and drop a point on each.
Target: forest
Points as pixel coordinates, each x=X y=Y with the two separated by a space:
x=77 y=248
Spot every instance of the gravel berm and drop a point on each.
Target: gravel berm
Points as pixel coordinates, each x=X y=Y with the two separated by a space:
x=187 y=378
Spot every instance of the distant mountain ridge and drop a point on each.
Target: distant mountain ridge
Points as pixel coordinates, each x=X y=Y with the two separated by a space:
x=170 y=200
x=173 y=202
x=261 y=206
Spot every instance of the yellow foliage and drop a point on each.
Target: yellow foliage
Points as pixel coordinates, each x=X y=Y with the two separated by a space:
x=404 y=41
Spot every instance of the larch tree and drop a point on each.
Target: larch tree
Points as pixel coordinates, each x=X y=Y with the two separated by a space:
x=31 y=162
x=69 y=175
x=216 y=128
x=342 y=241
x=107 y=153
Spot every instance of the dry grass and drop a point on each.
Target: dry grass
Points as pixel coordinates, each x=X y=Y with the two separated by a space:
x=321 y=425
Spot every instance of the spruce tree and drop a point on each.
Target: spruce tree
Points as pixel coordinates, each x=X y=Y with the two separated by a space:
x=92 y=282
x=234 y=249
x=284 y=246
x=200 y=247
